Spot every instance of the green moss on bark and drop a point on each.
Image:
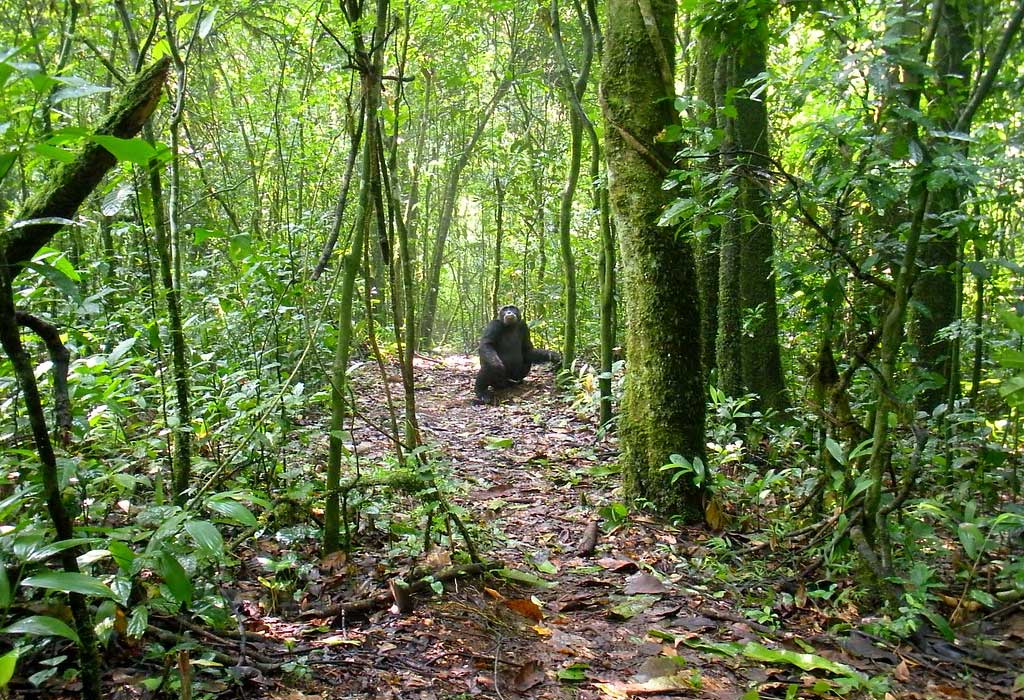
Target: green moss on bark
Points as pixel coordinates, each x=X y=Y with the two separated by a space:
x=663 y=406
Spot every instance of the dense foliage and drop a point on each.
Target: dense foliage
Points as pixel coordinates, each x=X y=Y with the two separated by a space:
x=326 y=187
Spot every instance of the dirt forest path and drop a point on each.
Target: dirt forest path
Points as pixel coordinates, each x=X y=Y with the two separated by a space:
x=640 y=617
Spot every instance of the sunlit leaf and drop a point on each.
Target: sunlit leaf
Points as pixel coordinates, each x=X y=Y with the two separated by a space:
x=8 y=662
x=69 y=582
x=42 y=626
x=136 y=150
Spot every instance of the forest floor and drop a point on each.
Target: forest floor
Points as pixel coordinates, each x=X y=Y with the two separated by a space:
x=646 y=615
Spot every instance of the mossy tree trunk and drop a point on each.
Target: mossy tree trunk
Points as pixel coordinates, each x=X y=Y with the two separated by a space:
x=761 y=358
x=663 y=407
x=748 y=356
x=708 y=61
x=937 y=290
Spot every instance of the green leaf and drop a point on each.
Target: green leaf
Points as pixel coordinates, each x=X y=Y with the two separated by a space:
x=233 y=511
x=75 y=88
x=523 y=577
x=1011 y=359
x=33 y=554
x=122 y=348
x=1011 y=319
x=207 y=23
x=5 y=589
x=42 y=626
x=59 y=279
x=8 y=662
x=978 y=269
x=135 y=150
x=200 y=234
x=68 y=582
x=972 y=538
x=123 y=555
x=836 y=450
x=496 y=443
x=176 y=578
x=576 y=673
x=206 y=536
x=138 y=621
x=58 y=154
x=6 y=161
x=804 y=661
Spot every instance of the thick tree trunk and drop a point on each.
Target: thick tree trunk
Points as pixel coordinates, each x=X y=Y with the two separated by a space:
x=708 y=247
x=936 y=289
x=663 y=406
x=761 y=358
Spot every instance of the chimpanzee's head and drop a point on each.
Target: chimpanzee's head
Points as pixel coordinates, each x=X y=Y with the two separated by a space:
x=509 y=315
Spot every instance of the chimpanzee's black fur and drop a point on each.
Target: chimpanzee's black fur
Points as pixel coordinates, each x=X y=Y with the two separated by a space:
x=506 y=353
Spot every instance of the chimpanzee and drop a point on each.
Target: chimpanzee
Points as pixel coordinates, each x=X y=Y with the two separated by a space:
x=506 y=354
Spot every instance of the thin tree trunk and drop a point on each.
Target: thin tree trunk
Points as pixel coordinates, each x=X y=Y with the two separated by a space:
x=448 y=202
x=371 y=97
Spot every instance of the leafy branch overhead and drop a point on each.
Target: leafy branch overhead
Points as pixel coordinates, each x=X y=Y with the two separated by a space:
x=55 y=205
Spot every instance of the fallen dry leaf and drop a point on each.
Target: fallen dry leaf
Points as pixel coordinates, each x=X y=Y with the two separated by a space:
x=619 y=565
x=526 y=608
x=529 y=675
x=644 y=583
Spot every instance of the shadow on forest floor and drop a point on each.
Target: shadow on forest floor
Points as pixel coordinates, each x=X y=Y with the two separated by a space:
x=649 y=614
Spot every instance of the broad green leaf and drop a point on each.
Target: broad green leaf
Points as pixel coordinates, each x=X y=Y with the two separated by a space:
x=57 y=154
x=69 y=582
x=136 y=150
x=206 y=536
x=240 y=246
x=1012 y=320
x=138 y=621
x=176 y=578
x=42 y=626
x=93 y=556
x=972 y=538
x=233 y=511
x=6 y=161
x=75 y=88
x=59 y=280
x=123 y=555
x=804 y=661
x=200 y=234
x=122 y=348
x=8 y=662
x=58 y=259
x=207 y=23
x=5 y=589
x=576 y=673
x=40 y=553
x=1011 y=359
x=496 y=443
x=836 y=450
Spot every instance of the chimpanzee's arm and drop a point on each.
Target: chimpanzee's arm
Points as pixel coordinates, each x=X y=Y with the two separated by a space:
x=532 y=354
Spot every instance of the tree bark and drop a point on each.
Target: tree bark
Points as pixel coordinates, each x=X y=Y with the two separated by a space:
x=663 y=407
